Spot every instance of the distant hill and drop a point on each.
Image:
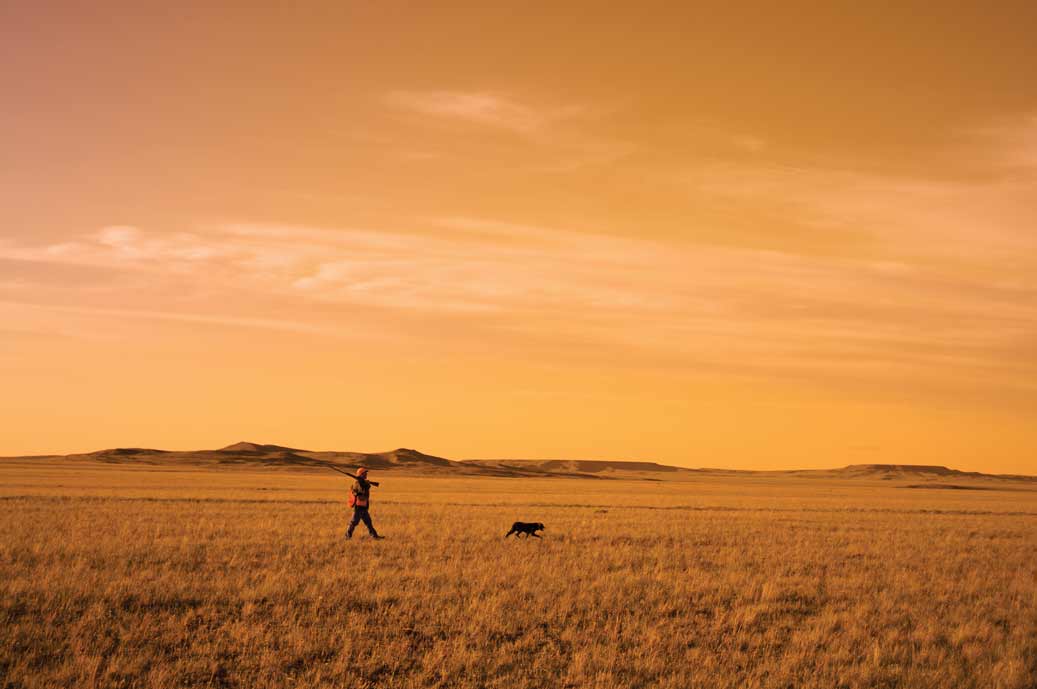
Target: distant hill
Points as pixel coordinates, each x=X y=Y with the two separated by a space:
x=584 y=468
x=246 y=454
x=271 y=456
x=255 y=447
x=885 y=471
x=889 y=472
x=393 y=459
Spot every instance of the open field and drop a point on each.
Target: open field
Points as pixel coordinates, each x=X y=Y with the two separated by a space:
x=161 y=577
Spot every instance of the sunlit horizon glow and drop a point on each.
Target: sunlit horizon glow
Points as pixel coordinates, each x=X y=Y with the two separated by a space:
x=699 y=237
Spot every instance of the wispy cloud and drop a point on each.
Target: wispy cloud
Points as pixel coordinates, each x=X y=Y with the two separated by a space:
x=944 y=288
x=740 y=309
x=226 y=320
x=558 y=134
x=907 y=217
x=481 y=108
x=1009 y=146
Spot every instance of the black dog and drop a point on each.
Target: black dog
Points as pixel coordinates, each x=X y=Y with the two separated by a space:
x=529 y=529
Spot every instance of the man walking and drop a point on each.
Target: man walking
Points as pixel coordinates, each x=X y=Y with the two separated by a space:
x=359 y=500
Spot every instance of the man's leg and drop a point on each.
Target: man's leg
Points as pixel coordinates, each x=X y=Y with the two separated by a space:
x=354 y=521
x=366 y=516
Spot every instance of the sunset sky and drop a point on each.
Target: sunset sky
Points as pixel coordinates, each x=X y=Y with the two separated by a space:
x=759 y=238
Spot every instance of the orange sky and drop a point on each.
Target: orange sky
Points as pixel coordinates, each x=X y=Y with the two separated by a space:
x=707 y=237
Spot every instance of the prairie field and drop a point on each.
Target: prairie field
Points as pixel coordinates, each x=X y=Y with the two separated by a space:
x=147 y=577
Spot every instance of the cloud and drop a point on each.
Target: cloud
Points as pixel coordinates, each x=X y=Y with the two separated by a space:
x=907 y=218
x=482 y=108
x=558 y=135
x=118 y=237
x=925 y=277
x=18 y=309
x=749 y=144
x=739 y=309
x=1009 y=145
x=124 y=247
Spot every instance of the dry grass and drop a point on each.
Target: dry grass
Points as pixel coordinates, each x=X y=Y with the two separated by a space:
x=143 y=578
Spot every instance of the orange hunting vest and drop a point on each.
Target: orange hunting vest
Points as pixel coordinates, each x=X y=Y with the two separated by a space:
x=359 y=495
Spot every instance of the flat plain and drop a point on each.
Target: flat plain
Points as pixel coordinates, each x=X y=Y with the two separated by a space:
x=180 y=576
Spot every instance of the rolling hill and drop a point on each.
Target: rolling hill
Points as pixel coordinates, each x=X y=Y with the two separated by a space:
x=267 y=456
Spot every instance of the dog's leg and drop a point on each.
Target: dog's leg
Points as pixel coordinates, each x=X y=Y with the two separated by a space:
x=509 y=533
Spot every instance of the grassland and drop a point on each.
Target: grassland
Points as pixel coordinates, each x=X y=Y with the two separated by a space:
x=145 y=577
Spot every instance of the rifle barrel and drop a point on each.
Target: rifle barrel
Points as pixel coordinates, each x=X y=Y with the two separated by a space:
x=343 y=471
x=335 y=468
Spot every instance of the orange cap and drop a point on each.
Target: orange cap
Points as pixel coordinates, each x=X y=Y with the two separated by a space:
x=361 y=471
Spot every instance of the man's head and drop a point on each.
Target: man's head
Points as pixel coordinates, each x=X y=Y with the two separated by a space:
x=362 y=471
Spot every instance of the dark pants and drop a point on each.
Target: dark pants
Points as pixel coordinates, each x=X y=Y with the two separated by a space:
x=360 y=514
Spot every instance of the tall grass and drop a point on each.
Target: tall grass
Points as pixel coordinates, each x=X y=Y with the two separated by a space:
x=634 y=585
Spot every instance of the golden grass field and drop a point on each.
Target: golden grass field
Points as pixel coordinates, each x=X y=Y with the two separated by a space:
x=144 y=577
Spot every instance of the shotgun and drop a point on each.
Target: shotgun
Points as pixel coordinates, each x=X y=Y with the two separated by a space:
x=343 y=471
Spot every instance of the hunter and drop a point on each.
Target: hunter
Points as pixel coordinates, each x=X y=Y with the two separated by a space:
x=360 y=500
